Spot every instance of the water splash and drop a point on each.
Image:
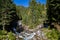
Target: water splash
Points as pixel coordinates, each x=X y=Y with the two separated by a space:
x=29 y=37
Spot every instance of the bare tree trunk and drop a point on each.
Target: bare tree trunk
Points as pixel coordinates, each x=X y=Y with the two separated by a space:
x=3 y=26
x=3 y=20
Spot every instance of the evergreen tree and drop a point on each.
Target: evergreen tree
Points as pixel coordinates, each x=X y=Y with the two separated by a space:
x=53 y=11
x=8 y=12
x=35 y=13
x=32 y=15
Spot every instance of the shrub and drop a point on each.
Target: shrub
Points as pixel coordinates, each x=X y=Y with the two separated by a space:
x=52 y=34
x=3 y=35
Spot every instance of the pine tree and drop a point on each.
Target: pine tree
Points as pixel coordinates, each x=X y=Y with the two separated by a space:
x=35 y=13
x=53 y=11
x=8 y=12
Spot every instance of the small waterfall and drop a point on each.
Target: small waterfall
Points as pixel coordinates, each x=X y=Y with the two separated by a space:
x=26 y=36
x=15 y=31
x=29 y=35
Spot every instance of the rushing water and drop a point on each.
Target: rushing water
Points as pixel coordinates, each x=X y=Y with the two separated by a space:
x=24 y=35
x=28 y=36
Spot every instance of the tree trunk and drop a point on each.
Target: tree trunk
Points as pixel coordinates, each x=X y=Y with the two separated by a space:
x=3 y=27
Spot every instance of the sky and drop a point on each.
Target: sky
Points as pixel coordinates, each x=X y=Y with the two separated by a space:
x=26 y=2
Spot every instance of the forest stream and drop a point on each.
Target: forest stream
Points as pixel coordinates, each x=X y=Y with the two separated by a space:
x=31 y=34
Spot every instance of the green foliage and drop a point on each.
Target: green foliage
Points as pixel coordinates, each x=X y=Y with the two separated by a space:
x=32 y=15
x=7 y=9
x=36 y=13
x=52 y=34
x=4 y=35
x=53 y=7
x=11 y=36
x=2 y=32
